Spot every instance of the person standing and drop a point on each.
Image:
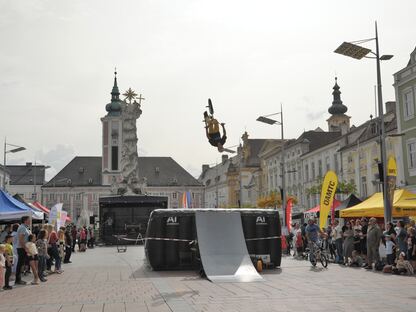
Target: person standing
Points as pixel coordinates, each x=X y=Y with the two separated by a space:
x=8 y=255
x=363 y=237
x=348 y=246
x=68 y=246
x=337 y=237
x=373 y=241
x=23 y=233
x=74 y=237
x=42 y=246
x=4 y=233
x=401 y=236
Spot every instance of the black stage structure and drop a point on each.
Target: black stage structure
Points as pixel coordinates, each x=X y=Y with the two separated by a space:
x=127 y=216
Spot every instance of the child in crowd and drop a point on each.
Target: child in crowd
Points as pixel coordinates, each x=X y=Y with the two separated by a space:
x=33 y=258
x=402 y=266
x=9 y=262
x=390 y=250
x=356 y=260
x=2 y=263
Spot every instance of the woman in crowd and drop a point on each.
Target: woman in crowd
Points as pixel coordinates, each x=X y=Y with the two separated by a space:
x=53 y=250
x=61 y=242
x=33 y=257
x=68 y=245
x=348 y=242
x=42 y=245
x=401 y=237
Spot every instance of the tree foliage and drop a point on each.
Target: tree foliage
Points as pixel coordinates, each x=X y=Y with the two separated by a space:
x=344 y=187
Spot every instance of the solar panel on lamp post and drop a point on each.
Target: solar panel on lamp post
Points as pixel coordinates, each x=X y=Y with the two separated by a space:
x=269 y=121
x=355 y=51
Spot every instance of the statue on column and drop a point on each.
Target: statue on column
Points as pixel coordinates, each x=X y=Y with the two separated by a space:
x=130 y=112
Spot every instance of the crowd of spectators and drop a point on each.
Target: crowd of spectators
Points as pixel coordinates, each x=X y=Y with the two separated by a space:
x=363 y=243
x=39 y=251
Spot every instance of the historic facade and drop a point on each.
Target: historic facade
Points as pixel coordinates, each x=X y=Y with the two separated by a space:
x=81 y=183
x=405 y=88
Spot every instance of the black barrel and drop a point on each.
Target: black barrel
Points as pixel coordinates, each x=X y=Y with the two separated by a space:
x=171 y=247
x=155 y=248
x=184 y=248
x=262 y=246
x=275 y=244
x=249 y=229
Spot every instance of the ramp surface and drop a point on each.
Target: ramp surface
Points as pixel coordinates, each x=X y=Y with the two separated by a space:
x=223 y=248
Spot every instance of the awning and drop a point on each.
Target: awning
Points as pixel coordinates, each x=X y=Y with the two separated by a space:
x=47 y=210
x=404 y=205
x=316 y=209
x=12 y=209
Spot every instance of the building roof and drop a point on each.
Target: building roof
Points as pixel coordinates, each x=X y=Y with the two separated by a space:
x=158 y=171
x=316 y=139
x=26 y=174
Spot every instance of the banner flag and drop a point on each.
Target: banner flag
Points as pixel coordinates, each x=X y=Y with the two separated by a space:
x=329 y=187
x=289 y=206
x=391 y=184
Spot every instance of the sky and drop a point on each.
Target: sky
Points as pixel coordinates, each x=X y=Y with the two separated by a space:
x=57 y=60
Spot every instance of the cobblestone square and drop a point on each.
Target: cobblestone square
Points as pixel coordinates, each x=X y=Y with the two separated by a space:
x=103 y=280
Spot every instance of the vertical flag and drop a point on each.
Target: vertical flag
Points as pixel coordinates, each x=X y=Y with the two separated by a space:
x=289 y=206
x=329 y=186
x=391 y=185
x=186 y=200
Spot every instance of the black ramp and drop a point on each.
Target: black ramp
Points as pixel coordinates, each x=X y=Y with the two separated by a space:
x=223 y=248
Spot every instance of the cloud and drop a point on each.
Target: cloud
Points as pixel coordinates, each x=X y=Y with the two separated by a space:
x=316 y=115
x=56 y=158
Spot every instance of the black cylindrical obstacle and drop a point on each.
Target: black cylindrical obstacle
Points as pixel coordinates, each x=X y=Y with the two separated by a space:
x=155 y=248
x=249 y=228
x=260 y=227
x=275 y=244
x=171 y=246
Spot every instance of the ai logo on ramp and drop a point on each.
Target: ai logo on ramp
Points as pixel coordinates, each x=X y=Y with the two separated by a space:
x=261 y=220
x=172 y=221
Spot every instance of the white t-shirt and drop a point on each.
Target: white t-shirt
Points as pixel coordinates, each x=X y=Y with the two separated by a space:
x=389 y=247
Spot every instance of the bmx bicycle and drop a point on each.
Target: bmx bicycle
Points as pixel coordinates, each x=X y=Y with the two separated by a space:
x=317 y=253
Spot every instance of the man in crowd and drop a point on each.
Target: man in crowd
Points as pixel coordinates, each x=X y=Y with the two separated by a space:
x=23 y=233
x=373 y=241
x=337 y=237
x=312 y=234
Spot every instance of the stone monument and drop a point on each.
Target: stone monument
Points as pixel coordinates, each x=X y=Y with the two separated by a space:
x=130 y=112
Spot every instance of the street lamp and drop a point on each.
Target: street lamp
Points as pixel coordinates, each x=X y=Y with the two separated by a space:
x=352 y=49
x=269 y=121
x=15 y=149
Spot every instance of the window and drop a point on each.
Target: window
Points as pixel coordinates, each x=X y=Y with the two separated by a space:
x=114 y=158
x=174 y=195
x=408 y=105
x=65 y=196
x=327 y=163
x=313 y=171
x=336 y=163
x=77 y=196
x=411 y=154
x=306 y=172
x=363 y=187
x=320 y=167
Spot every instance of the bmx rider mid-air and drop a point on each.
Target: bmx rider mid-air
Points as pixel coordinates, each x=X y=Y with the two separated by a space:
x=212 y=129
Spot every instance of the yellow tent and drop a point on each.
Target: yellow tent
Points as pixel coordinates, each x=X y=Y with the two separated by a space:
x=404 y=205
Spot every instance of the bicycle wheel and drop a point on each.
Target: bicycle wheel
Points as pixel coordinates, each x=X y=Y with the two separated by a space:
x=312 y=260
x=210 y=107
x=324 y=260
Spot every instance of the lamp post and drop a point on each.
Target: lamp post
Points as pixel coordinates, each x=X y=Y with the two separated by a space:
x=352 y=49
x=15 y=149
x=270 y=121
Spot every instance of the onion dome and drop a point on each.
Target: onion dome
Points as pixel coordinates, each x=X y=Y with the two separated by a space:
x=337 y=107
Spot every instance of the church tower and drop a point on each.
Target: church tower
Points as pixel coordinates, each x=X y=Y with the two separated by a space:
x=338 y=120
x=112 y=138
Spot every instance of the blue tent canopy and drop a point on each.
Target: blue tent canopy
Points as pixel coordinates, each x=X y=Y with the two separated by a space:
x=12 y=209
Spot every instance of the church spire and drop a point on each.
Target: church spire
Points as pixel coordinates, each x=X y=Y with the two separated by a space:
x=337 y=107
x=115 y=93
x=114 y=108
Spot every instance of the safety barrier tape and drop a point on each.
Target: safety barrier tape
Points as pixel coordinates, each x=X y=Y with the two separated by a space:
x=191 y=240
x=263 y=238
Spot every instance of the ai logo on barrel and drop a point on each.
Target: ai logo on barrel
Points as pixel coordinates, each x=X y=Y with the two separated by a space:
x=261 y=220
x=172 y=221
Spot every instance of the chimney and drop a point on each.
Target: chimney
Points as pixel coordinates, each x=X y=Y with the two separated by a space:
x=205 y=168
x=390 y=107
x=224 y=158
